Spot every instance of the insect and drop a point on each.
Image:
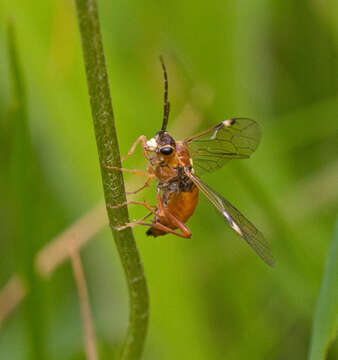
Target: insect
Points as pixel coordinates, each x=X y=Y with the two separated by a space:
x=177 y=165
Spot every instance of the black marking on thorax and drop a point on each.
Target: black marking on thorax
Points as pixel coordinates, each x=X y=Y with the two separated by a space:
x=185 y=184
x=180 y=183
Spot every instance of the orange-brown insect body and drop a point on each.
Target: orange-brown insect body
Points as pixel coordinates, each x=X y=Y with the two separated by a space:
x=179 y=193
x=178 y=185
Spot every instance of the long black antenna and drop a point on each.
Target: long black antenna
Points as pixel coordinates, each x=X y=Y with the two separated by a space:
x=166 y=106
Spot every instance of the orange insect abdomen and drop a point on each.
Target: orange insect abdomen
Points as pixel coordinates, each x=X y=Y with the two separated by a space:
x=182 y=204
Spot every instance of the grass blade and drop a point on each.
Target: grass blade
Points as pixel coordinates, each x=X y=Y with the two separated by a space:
x=22 y=185
x=325 y=324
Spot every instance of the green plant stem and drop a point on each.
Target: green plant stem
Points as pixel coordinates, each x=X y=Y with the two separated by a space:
x=113 y=185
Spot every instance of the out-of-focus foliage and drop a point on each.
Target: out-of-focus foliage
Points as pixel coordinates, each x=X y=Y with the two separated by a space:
x=211 y=296
x=325 y=323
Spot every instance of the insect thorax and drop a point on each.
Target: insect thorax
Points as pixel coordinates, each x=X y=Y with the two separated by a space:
x=179 y=183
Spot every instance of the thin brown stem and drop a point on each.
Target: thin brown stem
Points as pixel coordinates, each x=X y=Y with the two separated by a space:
x=88 y=327
x=10 y=296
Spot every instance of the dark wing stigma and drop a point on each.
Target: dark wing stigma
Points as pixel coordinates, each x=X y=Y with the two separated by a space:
x=234 y=138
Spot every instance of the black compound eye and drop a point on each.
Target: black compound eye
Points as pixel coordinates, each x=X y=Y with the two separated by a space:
x=167 y=150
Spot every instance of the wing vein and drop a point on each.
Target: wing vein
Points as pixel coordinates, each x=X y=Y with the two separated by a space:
x=237 y=221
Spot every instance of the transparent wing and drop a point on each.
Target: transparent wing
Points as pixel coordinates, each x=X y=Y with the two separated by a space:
x=237 y=221
x=234 y=138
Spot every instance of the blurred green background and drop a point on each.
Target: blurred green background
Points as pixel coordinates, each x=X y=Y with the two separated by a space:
x=211 y=296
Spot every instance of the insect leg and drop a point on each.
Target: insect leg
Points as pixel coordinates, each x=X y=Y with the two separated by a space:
x=132 y=171
x=154 y=225
x=186 y=233
x=134 y=223
x=164 y=212
x=143 y=141
x=144 y=203
x=146 y=184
